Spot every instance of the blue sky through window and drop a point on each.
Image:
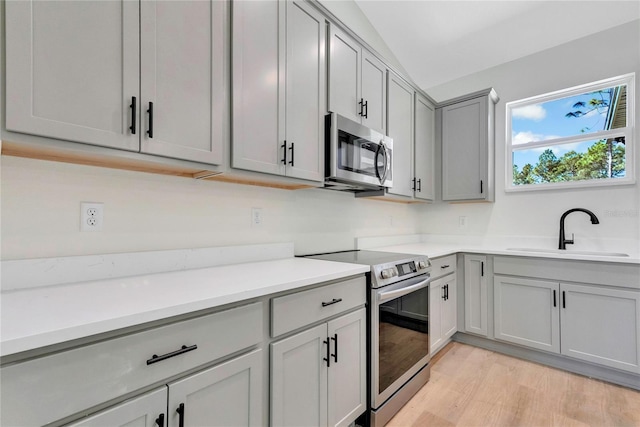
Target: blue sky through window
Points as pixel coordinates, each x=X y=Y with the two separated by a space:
x=548 y=120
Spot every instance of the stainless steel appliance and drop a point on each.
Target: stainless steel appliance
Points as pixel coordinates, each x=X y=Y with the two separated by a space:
x=398 y=326
x=358 y=158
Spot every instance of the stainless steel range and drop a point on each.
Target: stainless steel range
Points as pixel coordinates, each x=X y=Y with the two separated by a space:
x=398 y=326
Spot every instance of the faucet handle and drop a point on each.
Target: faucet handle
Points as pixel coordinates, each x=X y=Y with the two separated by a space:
x=570 y=242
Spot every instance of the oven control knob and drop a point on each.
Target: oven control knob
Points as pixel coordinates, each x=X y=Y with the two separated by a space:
x=388 y=273
x=422 y=264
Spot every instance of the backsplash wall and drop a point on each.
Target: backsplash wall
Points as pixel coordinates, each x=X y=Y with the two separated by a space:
x=143 y=212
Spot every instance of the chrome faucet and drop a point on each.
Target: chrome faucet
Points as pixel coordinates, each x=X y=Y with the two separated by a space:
x=564 y=242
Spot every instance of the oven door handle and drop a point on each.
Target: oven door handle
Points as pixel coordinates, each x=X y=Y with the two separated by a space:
x=386 y=296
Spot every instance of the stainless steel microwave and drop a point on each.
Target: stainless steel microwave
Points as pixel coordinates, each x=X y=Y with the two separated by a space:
x=358 y=158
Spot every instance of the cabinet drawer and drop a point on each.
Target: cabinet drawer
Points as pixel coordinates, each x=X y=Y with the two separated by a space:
x=71 y=381
x=443 y=266
x=294 y=311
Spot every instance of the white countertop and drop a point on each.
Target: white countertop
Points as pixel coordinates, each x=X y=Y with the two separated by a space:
x=435 y=250
x=436 y=246
x=37 y=317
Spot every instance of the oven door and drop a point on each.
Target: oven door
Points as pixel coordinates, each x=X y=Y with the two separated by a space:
x=400 y=335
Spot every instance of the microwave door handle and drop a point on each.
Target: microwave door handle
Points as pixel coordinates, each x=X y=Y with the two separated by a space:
x=375 y=164
x=385 y=296
x=386 y=162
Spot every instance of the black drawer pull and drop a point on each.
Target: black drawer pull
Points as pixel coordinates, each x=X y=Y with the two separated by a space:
x=134 y=108
x=333 y=301
x=328 y=358
x=445 y=266
x=554 y=297
x=180 y=412
x=335 y=341
x=150 y=111
x=155 y=358
x=160 y=420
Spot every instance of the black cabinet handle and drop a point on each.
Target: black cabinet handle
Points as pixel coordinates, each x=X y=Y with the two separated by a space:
x=366 y=109
x=482 y=268
x=160 y=420
x=180 y=412
x=419 y=185
x=335 y=347
x=150 y=111
x=554 y=297
x=447 y=292
x=413 y=184
x=328 y=358
x=361 y=104
x=564 y=300
x=284 y=149
x=445 y=266
x=155 y=358
x=134 y=108
x=333 y=301
x=444 y=295
x=480 y=186
x=293 y=154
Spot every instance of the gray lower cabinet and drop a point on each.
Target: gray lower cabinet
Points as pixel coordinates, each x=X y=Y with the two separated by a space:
x=442 y=311
x=148 y=410
x=601 y=325
x=476 y=309
x=228 y=394
x=526 y=312
x=80 y=382
x=592 y=323
x=318 y=376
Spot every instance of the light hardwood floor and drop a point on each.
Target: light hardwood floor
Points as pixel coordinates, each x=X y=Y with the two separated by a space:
x=470 y=386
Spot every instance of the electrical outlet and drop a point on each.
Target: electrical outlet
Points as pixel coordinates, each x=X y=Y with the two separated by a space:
x=256 y=217
x=91 y=216
x=462 y=222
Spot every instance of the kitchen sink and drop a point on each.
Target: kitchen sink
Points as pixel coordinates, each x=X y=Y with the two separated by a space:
x=559 y=251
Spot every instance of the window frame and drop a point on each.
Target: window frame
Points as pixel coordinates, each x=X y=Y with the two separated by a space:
x=627 y=132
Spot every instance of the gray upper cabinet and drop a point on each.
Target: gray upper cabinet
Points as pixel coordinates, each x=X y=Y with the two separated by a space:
x=424 y=149
x=357 y=82
x=467 y=129
x=400 y=128
x=279 y=88
x=89 y=71
x=72 y=69
x=184 y=79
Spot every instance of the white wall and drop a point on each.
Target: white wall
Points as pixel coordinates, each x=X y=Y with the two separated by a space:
x=607 y=54
x=41 y=213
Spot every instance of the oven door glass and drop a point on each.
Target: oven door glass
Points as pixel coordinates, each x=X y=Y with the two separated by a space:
x=360 y=155
x=403 y=335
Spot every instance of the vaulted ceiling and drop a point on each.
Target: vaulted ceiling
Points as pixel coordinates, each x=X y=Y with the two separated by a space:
x=438 y=41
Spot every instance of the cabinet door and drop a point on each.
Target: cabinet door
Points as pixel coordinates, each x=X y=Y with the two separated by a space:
x=306 y=98
x=147 y=410
x=258 y=86
x=601 y=325
x=464 y=151
x=424 y=149
x=72 y=69
x=450 y=308
x=400 y=128
x=374 y=92
x=299 y=379
x=526 y=312
x=436 y=300
x=347 y=374
x=344 y=74
x=184 y=74
x=229 y=394
x=475 y=295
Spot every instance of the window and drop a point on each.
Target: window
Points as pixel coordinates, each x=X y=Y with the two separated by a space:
x=575 y=137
